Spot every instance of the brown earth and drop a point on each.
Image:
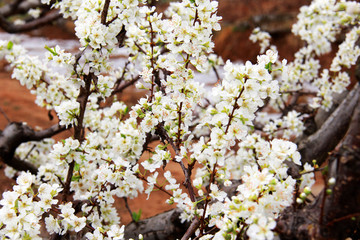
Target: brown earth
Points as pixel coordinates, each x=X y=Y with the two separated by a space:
x=231 y=43
x=240 y=17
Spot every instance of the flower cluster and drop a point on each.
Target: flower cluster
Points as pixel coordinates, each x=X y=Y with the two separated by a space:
x=66 y=221
x=22 y=208
x=328 y=19
x=219 y=135
x=286 y=127
x=262 y=37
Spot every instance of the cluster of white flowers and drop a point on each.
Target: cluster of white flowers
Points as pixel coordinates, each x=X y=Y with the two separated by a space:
x=216 y=129
x=266 y=188
x=262 y=37
x=286 y=127
x=66 y=221
x=348 y=52
x=328 y=19
x=23 y=208
x=236 y=99
x=50 y=87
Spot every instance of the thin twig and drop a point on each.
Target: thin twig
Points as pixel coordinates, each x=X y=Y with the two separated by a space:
x=122 y=77
x=218 y=79
x=140 y=48
x=163 y=134
x=5 y=116
x=152 y=44
x=343 y=218
x=128 y=208
x=125 y=85
x=236 y=106
x=27 y=155
x=155 y=185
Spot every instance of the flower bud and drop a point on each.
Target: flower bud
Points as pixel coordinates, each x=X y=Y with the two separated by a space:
x=331 y=181
x=329 y=191
x=303 y=195
x=307 y=190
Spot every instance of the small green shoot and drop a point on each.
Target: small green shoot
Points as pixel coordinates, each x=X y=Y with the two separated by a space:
x=136 y=216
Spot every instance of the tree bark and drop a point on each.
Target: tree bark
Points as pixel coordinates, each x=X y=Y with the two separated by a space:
x=16 y=133
x=318 y=145
x=165 y=225
x=333 y=216
x=343 y=206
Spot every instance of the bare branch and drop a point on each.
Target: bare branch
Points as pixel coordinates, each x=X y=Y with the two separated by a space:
x=18 y=7
x=105 y=12
x=36 y=23
x=332 y=216
x=128 y=208
x=16 y=133
x=125 y=85
x=331 y=132
x=166 y=225
x=5 y=116
x=191 y=230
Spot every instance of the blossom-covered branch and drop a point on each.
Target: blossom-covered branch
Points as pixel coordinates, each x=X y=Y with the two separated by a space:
x=241 y=130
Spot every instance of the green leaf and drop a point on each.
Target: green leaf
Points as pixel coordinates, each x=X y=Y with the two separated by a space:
x=75 y=178
x=136 y=215
x=52 y=51
x=16 y=207
x=269 y=66
x=26 y=236
x=10 y=45
x=213 y=111
x=227 y=236
x=162 y=147
x=76 y=167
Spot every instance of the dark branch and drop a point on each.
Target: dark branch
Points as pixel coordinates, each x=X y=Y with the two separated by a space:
x=79 y=130
x=332 y=216
x=191 y=230
x=18 y=7
x=34 y=24
x=5 y=116
x=160 y=130
x=125 y=85
x=17 y=133
x=105 y=12
x=166 y=225
x=318 y=145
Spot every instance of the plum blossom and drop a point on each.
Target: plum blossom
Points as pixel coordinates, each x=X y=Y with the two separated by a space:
x=214 y=134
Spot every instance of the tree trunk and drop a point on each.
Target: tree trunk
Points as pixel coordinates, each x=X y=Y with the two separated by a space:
x=335 y=215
